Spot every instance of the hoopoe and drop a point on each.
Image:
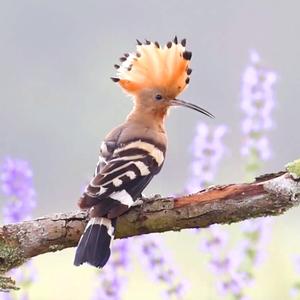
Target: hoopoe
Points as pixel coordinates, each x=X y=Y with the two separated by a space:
x=133 y=152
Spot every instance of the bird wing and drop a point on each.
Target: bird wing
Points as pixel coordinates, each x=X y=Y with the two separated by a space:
x=122 y=178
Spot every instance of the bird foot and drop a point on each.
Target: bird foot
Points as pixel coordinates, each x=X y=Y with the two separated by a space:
x=143 y=199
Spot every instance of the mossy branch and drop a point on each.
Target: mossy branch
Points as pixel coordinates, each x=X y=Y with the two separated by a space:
x=269 y=194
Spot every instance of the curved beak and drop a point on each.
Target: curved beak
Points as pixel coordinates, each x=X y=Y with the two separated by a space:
x=177 y=102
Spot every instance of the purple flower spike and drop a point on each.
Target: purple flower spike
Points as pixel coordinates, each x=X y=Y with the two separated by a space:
x=156 y=259
x=16 y=183
x=257 y=103
x=112 y=281
x=16 y=178
x=217 y=240
x=208 y=149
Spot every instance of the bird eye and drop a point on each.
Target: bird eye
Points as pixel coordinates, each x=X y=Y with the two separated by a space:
x=158 y=97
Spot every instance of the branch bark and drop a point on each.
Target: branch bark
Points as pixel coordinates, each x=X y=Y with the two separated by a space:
x=270 y=194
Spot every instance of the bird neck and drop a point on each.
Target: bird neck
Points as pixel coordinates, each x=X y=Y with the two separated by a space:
x=149 y=117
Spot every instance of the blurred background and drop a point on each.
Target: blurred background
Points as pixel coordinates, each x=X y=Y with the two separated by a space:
x=57 y=103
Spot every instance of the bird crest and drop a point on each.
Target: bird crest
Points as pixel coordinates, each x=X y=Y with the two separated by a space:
x=154 y=66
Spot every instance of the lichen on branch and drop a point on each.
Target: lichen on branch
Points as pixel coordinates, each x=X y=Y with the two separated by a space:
x=294 y=168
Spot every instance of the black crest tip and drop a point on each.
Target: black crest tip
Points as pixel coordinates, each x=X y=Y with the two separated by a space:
x=189 y=71
x=116 y=66
x=126 y=55
x=147 y=42
x=115 y=79
x=187 y=55
x=175 y=40
x=122 y=59
x=156 y=44
x=183 y=42
x=187 y=81
x=138 y=42
x=169 y=44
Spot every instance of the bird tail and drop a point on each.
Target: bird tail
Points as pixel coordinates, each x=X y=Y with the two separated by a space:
x=94 y=245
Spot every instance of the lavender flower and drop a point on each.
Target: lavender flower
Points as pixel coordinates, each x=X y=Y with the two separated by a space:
x=207 y=148
x=257 y=233
x=111 y=279
x=156 y=259
x=257 y=103
x=218 y=239
x=234 y=268
x=208 y=151
x=223 y=263
x=17 y=185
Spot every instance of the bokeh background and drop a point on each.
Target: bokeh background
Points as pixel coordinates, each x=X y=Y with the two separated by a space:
x=57 y=103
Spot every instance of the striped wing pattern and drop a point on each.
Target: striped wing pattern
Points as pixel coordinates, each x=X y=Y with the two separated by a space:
x=122 y=173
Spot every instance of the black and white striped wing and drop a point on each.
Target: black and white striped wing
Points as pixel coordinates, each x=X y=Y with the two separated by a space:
x=121 y=181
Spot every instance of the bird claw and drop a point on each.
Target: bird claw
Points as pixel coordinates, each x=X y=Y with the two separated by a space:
x=143 y=199
x=138 y=202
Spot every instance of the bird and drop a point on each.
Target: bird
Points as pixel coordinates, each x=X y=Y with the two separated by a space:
x=133 y=152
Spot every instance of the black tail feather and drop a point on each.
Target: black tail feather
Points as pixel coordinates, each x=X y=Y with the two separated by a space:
x=94 y=245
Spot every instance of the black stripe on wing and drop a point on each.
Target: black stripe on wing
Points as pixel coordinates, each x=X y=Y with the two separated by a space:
x=124 y=157
x=134 y=189
x=131 y=174
x=122 y=182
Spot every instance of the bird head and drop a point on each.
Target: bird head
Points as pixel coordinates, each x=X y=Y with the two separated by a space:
x=155 y=75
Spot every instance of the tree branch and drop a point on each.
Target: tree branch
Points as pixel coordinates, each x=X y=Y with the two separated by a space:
x=270 y=194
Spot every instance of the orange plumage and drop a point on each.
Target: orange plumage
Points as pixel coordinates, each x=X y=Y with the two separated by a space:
x=153 y=66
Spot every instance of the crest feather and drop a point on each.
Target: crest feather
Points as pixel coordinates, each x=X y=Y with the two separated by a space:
x=154 y=66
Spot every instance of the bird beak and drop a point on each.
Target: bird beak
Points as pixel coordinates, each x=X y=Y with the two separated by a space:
x=177 y=102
